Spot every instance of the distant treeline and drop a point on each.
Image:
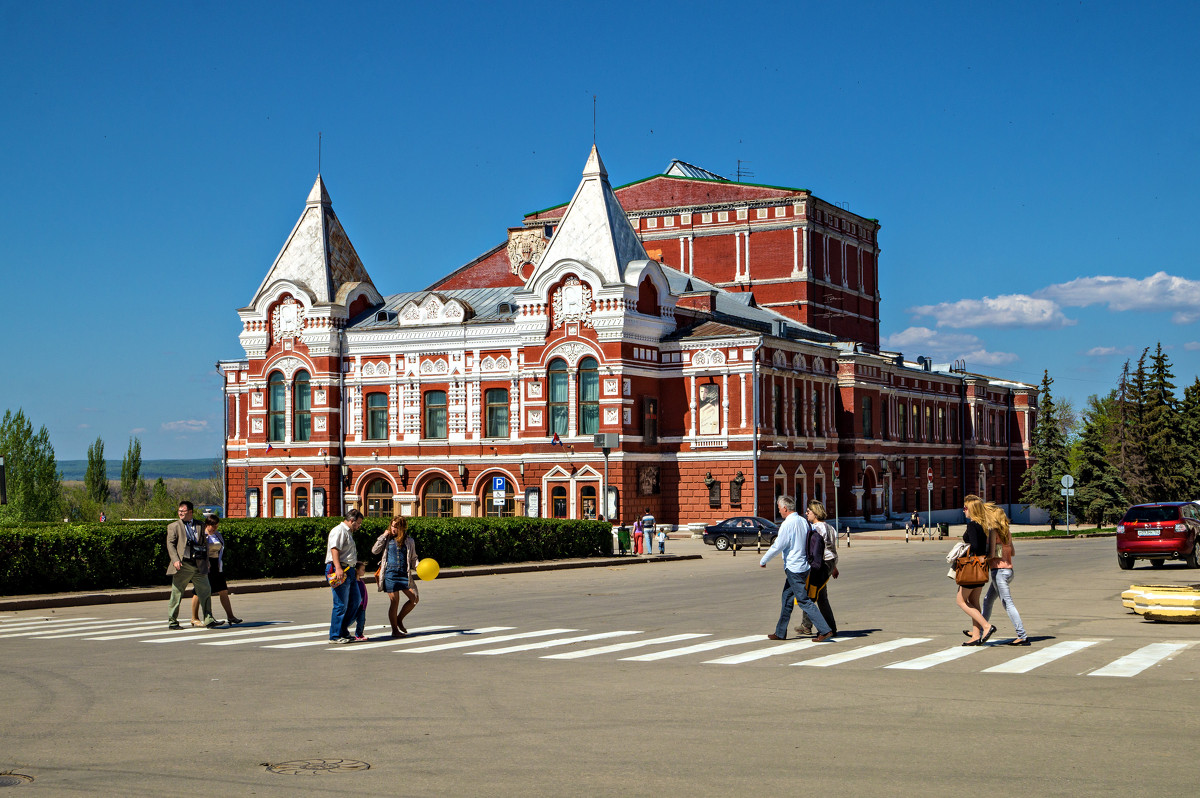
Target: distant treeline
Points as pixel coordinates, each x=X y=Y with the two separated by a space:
x=202 y=468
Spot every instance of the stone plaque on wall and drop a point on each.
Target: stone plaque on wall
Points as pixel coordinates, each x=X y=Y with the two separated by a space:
x=648 y=481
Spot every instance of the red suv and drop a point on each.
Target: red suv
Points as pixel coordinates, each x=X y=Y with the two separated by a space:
x=1159 y=532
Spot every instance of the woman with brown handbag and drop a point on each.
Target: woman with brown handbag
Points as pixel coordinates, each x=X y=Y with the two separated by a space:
x=968 y=589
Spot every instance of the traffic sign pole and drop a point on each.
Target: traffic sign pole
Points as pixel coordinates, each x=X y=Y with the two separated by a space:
x=1068 y=483
x=929 y=498
x=837 y=520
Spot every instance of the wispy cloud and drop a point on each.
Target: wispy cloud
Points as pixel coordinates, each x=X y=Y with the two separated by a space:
x=1109 y=351
x=137 y=430
x=1010 y=310
x=84 y=426
x=1157 y=293
x=1192 y=346
x=190 y=425
x=915 y=341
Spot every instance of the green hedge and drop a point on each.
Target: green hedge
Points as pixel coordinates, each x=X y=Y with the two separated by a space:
x=51 y=558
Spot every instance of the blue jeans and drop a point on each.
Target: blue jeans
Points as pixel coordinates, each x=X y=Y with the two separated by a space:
x=1000 y=577
x=345 y=606
x=793 y=589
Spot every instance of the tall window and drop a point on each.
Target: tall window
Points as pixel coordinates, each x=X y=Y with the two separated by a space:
x=557 y=379
x=649 y=421
x=798 y=411
x=883 y=421
x=377 y=411
x=505 y=510
x=496 y=412
x=929 y=431
x=435 y=414
x=300 y=499
x=710 y=409
x=589 y=397
x=902 y=417
x=916 y=422
x=379 y=499
x=276 y=405
x=777 y=407
x=587 y=496
x=866 y=417
x=301 y=407
x=277 y=510
x=942 y=424
x=439 y=499
x=818 y=427
x=558 y=501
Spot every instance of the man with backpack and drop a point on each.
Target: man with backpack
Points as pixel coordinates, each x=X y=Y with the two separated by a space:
x=793 y=543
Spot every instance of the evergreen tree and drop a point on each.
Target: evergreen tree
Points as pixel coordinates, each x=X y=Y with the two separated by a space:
x=131 y=470
x=1127 y=444
x=1100 y=493
x=1041 y=487
x=1189 y=434
x=1160 y=423
x=95 y=480
x=31 y=472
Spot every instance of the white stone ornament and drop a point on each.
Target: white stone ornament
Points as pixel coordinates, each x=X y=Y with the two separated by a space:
x=319 y=423
x=319 y=396
x=525 y=246
x=256 y=425
x=572 y=302
x=287 y=319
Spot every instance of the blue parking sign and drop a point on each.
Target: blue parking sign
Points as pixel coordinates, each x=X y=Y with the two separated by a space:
x=498 y=484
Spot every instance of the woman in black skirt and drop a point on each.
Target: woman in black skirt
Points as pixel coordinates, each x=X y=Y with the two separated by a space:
x=968 y=595
x=216 y=572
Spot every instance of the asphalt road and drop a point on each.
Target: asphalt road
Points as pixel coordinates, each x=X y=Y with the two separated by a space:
x=132 y=716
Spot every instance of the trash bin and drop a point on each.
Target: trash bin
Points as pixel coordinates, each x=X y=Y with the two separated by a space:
x=623 y=539
x=943 y=531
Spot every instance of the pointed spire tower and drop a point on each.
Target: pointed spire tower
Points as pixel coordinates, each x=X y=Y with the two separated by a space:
x=594 y=229
x=317 y=255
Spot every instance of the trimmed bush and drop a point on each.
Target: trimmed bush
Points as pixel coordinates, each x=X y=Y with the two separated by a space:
x=51 y=558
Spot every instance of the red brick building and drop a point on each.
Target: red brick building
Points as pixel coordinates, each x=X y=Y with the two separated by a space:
x=726 y=334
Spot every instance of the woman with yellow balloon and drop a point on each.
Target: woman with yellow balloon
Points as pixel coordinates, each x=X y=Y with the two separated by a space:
x=395 y=571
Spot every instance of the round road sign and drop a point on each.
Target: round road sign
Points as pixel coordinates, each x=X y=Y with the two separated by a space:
x=1067 y=480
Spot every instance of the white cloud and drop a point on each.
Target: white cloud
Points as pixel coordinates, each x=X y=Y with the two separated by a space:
x=1192 y=346
x=190 y=425
x=1157 y=293
x=84 y=426
x=137 y=430
x=1010 y=310
x=946 y=347
x=1109 y=351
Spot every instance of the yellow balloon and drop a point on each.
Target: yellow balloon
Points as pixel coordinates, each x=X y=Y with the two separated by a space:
x=428 y=569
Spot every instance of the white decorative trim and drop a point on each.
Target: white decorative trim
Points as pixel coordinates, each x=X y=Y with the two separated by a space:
x=434 y=309
x=288 y=365
x=571 y=352
x=256 y=425
x=434 y=367
x=708 y=357
x=572 y=302
x=610 y=416
x=779 y=359
x=525 y=246
x=319 y=423
x=287 y=319
x=610 y=387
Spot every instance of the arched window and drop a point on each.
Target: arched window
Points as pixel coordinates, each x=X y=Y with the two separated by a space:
x=496 y=412
x=558 y=501
x=439 y=499
x=587 y=494
x=276 y=406
x=377 y=412
x=557 y=379
x=277 y=507
x=301 y=407
x=589 y=397
x=300 y=497
x=379 y=499
x=493 y=510
x=435 y=414
x=866 y=418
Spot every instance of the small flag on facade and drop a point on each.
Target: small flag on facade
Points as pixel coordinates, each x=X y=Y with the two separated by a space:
x=555 y=441
x=269 y=448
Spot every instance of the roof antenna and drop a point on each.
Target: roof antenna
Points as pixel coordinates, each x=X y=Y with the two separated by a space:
x=318 y=153
x=593 y=120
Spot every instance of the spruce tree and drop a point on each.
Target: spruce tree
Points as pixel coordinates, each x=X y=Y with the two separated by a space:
x=131 y=469
x=95 y=480
x=1161 y=422
x=1041 y=487
x=1100 y=491
x=1128 y=434
x=33 y=483
x=1189 y=434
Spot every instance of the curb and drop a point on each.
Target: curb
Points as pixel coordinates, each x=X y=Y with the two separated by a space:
x=53 y=600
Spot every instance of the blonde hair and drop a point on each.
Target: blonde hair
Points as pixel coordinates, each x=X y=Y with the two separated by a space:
x=400 y=524
x=988 y=516
x=817 y=509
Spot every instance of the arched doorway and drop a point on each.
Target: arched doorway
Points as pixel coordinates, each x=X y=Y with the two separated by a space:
x=378 y=499
x=487 y=498
x=438 y=499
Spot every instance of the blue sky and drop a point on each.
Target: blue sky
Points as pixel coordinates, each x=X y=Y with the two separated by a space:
x=1034 y=167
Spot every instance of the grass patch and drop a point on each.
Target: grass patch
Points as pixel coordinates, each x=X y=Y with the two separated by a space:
x=1063 y=533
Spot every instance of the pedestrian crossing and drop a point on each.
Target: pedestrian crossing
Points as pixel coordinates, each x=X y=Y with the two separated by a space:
x=1098 y=656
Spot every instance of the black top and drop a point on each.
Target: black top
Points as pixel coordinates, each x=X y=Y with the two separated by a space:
x=976 y=538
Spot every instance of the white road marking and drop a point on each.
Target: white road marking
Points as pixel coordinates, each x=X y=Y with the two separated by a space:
x=72 y=627
x=936 y=658
x=484 y=641
x=864 y=651
x=287 y=633
x=26 y=624
x=763 y=653
x=260 y=628
x=1036 y=659
x=324 y=641
x=695 y=649
x=615 y=647
x=1140 y=660
x=416 y=635
x=562 y=641
x=120 y=627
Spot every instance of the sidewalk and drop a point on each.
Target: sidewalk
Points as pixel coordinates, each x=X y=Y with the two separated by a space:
x=956 y=533
x=243 y=587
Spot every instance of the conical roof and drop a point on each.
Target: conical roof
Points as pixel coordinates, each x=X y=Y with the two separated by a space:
x=595 y=229
x=317 y=255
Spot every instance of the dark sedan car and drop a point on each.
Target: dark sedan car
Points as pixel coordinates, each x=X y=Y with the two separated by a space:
x=744 y=529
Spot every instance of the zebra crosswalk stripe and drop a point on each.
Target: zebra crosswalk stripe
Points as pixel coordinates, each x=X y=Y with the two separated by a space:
x=936 y=658
x=324 y=641
x=259 y=628
x=72 y=627
x=287 y=633
x=862 y=652
x=1037 y=659
x=418 y=634
x=120 y=627
x=1140 y=660
x=708 y=645
x=484 y=641
x=19 y=625
x=770 y=651
x=627 y=645
x=562 y=641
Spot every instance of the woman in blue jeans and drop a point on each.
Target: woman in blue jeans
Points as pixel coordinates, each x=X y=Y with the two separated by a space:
x=1000 y=554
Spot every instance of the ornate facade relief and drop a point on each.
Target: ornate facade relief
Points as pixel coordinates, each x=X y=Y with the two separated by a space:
x=433 y=309
x=572 y=303
x=708 y=357
x=525 y=246
x=571 y=352
x=287 y=319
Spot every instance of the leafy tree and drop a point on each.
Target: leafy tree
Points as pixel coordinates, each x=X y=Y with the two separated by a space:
x=1048 y=450
x=95 y=479
x=132 y=486
x=162 y=503
x=33 y=481
x=1160 y=421
x=1100 y=490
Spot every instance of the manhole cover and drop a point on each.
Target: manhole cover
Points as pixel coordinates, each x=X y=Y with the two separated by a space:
x=311 y=767
x=14 y=779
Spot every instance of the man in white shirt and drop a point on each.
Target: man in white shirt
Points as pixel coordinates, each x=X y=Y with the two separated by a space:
x=792 y=542
x=341 y=556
